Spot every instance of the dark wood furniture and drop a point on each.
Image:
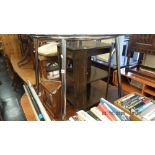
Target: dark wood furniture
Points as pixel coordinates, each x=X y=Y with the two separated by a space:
x=79 y=80
x=51 y=98
x=30 y=114
x=27 y=108
x=144 y=44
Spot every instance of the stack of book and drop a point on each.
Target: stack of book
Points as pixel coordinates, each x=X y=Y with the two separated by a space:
x=53 y=71
x=136 y=104
x=105 y=111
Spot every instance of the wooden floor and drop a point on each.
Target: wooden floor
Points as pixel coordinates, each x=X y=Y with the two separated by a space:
x=25 y=72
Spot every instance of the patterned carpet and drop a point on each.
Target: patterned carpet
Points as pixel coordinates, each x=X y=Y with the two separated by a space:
x=9 y=96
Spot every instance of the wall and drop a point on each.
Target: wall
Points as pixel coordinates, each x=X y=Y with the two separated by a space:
x=11 y=45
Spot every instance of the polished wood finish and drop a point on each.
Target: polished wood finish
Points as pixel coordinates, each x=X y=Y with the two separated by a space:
x=149 y=90
x=25 y=72
x=51 y=97
x=148 y=84
x=12 y=52
x=27 y=109
x=30 y=116
x=11 y=45
x=143 y=43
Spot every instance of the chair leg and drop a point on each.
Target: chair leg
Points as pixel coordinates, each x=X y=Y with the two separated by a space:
x=59 y=61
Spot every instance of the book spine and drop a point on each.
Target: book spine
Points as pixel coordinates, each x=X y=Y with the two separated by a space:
x=115 y=115
x=84 y=116
x=132 y=105
x=139 y=105
x=150 y=115
x=98 y=113
x=106 y=112
x=116 y=109
x=93 y=115
x=128 y=97
x=147 y=100
x=142 y=108
x=71 y=119
x=132 y=100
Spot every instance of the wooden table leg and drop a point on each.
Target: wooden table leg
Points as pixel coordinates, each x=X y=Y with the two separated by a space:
x=80 y=79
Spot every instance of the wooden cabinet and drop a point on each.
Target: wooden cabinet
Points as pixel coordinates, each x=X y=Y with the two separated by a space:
x=51 y=98
x=141 y=84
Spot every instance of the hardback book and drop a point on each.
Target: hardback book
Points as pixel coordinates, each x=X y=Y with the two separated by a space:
x=84 y=116
x=93 y=115
x=143 y=107
x=134 y=104
x=147 y=100
x=106 y=112
x=123 y=116
x=129 y=101
x=71 y=119
x=74 y=118
x=115 y=115
x=148 y=114
x=52 y=67
x=53 y=75
x=99 y=114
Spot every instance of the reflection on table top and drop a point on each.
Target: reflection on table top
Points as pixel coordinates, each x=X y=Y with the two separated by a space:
x=77 y=46
x=78 y=37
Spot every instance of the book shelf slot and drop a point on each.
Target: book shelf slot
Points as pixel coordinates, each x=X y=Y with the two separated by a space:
x=135 y=83
x=149 y=90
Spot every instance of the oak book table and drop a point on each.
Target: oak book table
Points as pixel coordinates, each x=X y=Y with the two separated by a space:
x=139 y=107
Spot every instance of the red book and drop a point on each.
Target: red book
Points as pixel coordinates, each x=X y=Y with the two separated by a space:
x=147 y=100
x=106 y=112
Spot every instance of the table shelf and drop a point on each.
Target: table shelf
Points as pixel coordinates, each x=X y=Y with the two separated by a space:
x=95 y=74
x=97 y=91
